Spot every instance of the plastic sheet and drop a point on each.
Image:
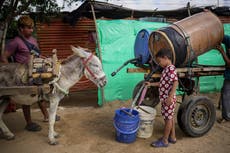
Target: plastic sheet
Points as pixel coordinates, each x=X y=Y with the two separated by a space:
x=117 y=39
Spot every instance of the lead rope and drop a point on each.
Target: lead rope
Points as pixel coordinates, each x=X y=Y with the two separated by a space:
x=56 y=85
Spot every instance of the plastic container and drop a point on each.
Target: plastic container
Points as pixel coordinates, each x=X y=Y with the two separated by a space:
x=141 y=48
x=126 y=125
x=147 y=116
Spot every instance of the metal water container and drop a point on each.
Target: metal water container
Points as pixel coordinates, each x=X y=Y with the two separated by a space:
x=188 y=38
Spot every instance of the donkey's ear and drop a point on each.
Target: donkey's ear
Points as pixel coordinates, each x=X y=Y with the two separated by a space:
x=79 y=51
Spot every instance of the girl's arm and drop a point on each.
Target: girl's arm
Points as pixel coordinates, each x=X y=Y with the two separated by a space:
x=173 y=90
x=169 y=100
x=156 y=84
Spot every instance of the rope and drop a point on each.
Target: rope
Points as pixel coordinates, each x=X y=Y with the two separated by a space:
x=56 y=85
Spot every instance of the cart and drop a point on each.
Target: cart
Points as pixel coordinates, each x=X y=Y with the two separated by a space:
x=196 y=114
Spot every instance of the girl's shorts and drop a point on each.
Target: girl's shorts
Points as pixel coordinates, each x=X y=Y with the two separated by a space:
x=168 y=111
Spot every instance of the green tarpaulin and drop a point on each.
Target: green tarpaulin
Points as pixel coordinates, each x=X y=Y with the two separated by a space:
x=116 y=38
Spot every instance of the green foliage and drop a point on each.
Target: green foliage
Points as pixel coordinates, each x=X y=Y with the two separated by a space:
x=12 y=30
x=39 y=10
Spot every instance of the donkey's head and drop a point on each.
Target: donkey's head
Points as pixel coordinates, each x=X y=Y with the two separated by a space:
x=92 y=66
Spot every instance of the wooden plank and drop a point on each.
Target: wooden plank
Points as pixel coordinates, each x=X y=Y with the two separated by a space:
x=137 y=70
x=7 y=64
x=187 y=69
x=200 y=69
x=185 y=72
x=22 y=90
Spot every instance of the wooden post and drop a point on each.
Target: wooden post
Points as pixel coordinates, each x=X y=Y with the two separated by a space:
x=97 y=38
x=132 y=13
x=188 y=8
x=99 y=47
x=55 y=63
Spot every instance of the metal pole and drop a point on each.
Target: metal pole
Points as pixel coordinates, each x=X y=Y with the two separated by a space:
x=99 y=47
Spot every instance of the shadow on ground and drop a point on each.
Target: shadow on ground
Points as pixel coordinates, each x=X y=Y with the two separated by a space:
x=81 y=98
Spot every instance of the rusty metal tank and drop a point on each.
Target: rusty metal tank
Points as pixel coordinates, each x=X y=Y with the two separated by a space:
x=188 y=38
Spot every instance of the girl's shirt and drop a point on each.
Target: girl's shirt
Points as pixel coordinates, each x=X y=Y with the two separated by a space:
x=168 y=77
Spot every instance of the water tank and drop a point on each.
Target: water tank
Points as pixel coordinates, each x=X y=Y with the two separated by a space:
x=188 y=38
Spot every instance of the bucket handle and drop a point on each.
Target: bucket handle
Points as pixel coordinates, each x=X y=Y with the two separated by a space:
x=126 y=132
x=128 y=113
x=138 y=107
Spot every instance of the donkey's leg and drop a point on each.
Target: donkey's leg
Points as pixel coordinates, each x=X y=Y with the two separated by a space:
x=54 y=101
x=6 y=132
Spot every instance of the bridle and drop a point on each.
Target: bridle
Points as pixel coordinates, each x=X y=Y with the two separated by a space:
x=87 y=68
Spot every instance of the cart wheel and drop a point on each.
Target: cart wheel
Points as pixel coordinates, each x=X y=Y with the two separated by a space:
x=151 y=98
x=180 y=112
x=196 y=116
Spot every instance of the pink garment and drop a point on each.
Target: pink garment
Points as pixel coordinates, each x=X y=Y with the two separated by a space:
x=19 y=50
x=168 y=77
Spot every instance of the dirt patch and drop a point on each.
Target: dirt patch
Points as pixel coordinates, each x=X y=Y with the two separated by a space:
x=86 y=128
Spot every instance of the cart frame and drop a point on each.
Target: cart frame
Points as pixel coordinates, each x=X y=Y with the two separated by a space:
x=196 y=114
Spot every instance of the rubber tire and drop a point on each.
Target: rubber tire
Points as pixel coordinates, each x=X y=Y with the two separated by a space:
x=189 y=112
x=180 y=112
x=151 y=98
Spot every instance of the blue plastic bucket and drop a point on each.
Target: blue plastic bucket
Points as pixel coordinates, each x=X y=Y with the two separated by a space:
x=126 y=125
x=141 y=48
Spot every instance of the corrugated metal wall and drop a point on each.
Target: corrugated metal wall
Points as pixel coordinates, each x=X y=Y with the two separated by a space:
x=59 y=35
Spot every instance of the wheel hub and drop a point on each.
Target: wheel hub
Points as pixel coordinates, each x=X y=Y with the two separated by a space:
x=200 y=115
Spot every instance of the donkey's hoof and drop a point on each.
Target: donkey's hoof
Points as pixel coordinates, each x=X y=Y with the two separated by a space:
x=53 y=142
x=8 y=136
x=12 y=137
x=56 y=135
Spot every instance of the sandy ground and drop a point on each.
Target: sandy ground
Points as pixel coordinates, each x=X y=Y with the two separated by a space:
x=86 y=128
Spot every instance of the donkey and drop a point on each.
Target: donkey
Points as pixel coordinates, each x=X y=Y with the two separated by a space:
x=71 y=70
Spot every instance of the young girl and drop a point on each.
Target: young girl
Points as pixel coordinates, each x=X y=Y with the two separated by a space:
x=167 y=94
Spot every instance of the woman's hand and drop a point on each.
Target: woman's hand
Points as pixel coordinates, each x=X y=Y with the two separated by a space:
x=220 y=48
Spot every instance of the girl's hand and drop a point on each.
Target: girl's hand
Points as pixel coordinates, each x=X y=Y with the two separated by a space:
x=169 y=101
x=147 y=84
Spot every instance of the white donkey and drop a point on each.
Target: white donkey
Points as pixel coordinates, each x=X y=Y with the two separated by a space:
x=71 y=70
